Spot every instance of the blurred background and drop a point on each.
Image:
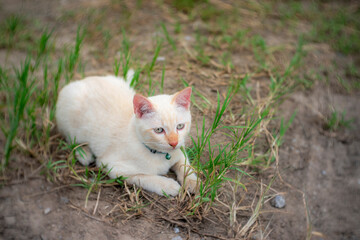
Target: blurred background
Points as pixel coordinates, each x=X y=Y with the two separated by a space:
x=286 y=71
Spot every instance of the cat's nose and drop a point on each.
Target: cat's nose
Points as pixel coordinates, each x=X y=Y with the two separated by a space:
x=173 y=144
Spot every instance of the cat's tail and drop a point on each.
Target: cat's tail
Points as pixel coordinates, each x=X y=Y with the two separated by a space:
x=130 y=75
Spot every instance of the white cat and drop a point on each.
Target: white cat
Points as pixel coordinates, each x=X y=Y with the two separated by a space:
x=134 y=136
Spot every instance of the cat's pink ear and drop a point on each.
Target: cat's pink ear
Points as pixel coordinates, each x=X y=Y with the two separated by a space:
x=142 y=106
x=182 y=98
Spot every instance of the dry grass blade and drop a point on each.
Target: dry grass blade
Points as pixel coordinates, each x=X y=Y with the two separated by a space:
x=97 y=201
x=245 y=229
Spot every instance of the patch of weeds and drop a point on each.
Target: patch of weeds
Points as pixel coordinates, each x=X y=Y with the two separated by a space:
x=308 y=79
x=260 y=50
x=43 y=45
x=116 y=66
x=45 y=103
x=290 y=10
x=29 y=106
x=89 y=179
x=279 y=84
x=158 y=47
x=19 y=96
x=222 y=25
x=151 y=90
x=226 y=60
x=282 y=130
x=139 y=4
x=339 y=27
x=296 y=60
x=51 y=169
x=162 y=80
x=92 y=180
x=10 y=27
x=73 y=56
x=149 y=68
x=209 y=12
x=234 y=40
x=12 y=24
x=135 y=80
x=352 y=71
x=242 y=86
x=353 y=75
x=125 y=54
x=201 y=41
x=336 y=121
x=345 y=84
x=240 y=36
x=106 y=39
x=186 y=5
x=125 y=60
x=222 y=158
x=170 y=40
x=305 y=81
x=177 y=27
x=68 y=15
x=43 y=42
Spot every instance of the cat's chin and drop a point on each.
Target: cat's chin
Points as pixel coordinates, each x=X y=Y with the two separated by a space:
x=168 y=149
x=176 y=148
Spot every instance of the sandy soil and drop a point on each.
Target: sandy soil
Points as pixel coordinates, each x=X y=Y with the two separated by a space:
x=323 y=166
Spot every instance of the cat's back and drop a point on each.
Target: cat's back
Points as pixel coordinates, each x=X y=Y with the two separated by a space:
x=94 y=102
x=103 y=87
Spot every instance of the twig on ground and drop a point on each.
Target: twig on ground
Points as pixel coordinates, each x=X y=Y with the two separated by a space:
x=81 y=210
x=97 y=201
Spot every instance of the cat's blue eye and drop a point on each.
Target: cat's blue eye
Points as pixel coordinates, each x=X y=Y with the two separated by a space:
x=180 y=126
x=158 y=130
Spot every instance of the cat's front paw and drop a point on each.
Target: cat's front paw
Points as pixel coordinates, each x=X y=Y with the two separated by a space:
x=170 y=187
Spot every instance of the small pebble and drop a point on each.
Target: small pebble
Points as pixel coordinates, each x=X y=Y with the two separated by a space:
x=177 y=238
x=176 y=230
x=10 y=220
x=278 y=201
x=358 y=181
x=323 y=172
x=47 y=211
x=160 y=59
x=64 y=200
x=188 y=38
x=43 y=237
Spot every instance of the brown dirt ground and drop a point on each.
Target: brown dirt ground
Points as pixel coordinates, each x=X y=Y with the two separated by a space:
x=322 y=166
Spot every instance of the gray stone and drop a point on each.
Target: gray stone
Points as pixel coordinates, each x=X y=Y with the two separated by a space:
x=64 y=200
x=43 y=237
x=47 y=211
x=278 y=201
x=176 y=230
x=177 y=238
x=160 y=59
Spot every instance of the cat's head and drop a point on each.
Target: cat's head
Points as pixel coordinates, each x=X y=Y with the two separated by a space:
x=162 y=122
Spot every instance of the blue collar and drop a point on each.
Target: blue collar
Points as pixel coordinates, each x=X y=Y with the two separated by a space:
x=167 y=155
